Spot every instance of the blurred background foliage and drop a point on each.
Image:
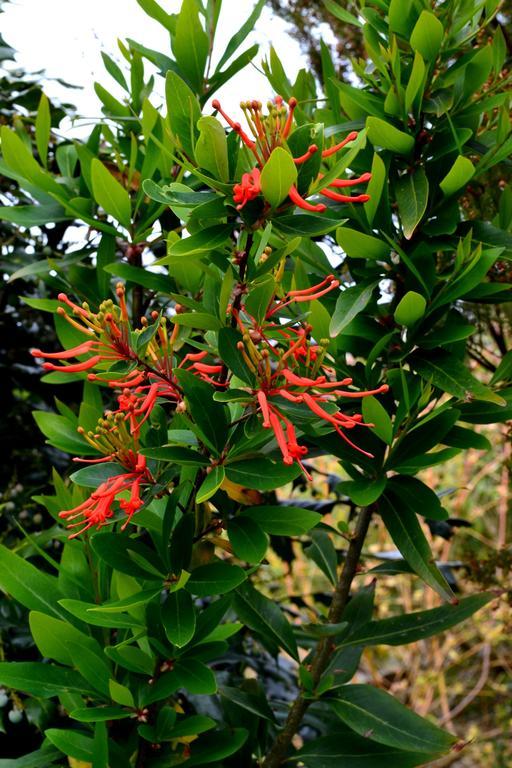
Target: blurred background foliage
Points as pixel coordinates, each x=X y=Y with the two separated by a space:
x=464 y=675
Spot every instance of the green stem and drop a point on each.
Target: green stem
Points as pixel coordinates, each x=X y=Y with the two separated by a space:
x=279 y=749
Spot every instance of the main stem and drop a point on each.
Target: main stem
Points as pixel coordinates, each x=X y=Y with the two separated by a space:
x=324 y=649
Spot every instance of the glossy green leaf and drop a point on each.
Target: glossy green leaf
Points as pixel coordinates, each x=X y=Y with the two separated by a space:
x=211 y=484
x=383 y=134
x=375 y=187
x=410 y=627
x=99 y=714
x=72 y=743
x=283 y=520
x=363 y=492
x=375 y=413
x=427 y=35
x=194 y=676
x=205 y=241
x=211 y=150
x=411 y=493
x=405 y=530
x=370 y=711
x=261 y=474
x=279 y=174
x=178 y=617
x=360 y=246
x=322 y=552
x=349 y=750
x=458 y=176
x=190 y=44
x=216 y=746
x=350 y=302
x=216 y=578
x=411 y=191
x=410 y=309
x=183 y=111
x=451 y=375
x=109 y=194
x=45 y=680
x=248 y=539
x=43 y=128
x=265 y=617
x=30 y=586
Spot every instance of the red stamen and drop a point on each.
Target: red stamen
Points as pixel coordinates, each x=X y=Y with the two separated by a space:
x=307 y=155
x=344 y=198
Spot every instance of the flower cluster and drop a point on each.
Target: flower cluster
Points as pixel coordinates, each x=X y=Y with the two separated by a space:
x=152 y=365
x=290 y=368
x=272 y=130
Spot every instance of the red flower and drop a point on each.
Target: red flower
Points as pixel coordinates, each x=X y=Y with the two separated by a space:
x=271 y=131
x=248 y=189
x=288 y=366
x=97 y=509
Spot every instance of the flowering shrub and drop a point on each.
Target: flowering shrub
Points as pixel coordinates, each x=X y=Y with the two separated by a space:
x=229 y=363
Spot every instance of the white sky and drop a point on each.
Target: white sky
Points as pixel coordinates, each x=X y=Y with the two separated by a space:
x=66 y=37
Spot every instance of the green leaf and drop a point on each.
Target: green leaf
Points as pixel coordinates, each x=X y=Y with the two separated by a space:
x=202 y=242
x=139 y=276
x=341 y=13
x=216 y=578
x=411 y=191
x=43 y=128
x=131 y=601
x=208 y=415
x=282 y=520
x=211 y=484
x=410 y=309
x=61 y=433
x=349 y=304
x=415 y=85
x=383 y=134
x=349 y=750
x=403 y=527
x=279 y=174
x=410 y=627
x=190 y=726
x=211 y=150
x=308 y=224
x=259 y=297
x=256 y=704
x=109 y=193
x=179 y=617
x=30 y=586
x=261 y=474
x=458 y=176
x=71 y=743
x=322 y=552
x=190 y=44
x=200 y=320
x=82 y=610
x=451 y=375
x=34 y=216
x=99 y=714
x=401 y=17
x=195 y=677
x=55 y=638
x=375 y=187
x=427 y=35
x=183 y=112
x=45 y=680
x=265 y=617
x=411 y=493
x=241 y=34
x=357 y=245
x=373 y=713
x=363 y=492
x=176 y=454
x=216 y=746
x=375 y=413
x=248 y=539
x=95 y=474
x=121 y=694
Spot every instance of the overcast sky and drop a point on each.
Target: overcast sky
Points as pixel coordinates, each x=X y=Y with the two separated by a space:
x=66 y=37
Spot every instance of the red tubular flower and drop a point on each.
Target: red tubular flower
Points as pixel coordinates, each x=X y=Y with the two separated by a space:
x=271 y=131
x=97 y=509
x=248 y=189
